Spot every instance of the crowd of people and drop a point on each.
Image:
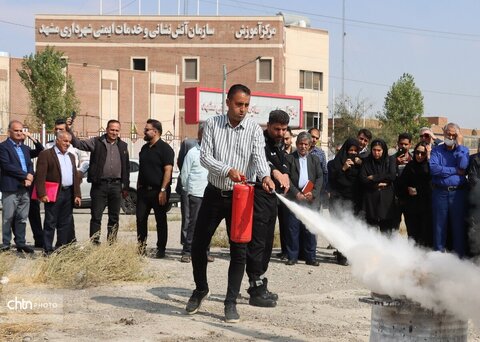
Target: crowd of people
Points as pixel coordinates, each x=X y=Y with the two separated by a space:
x=432 y=185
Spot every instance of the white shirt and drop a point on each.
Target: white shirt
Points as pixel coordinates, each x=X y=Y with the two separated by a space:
x=66 y=167
x=194 y=175
x=225 y=147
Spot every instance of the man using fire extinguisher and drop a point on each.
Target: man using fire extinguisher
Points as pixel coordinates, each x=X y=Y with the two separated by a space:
x=265 y=212
x=232 y=149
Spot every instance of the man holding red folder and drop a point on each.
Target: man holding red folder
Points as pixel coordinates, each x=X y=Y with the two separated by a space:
x=306 y=178
x=58 y=187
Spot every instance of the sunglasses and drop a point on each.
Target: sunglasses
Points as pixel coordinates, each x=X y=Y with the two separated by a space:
x=420 y=153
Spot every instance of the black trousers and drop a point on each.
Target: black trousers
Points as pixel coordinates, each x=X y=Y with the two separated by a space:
x=105 y=194
x=58 y=215
x=35 y=221
x=215 y=207
x=147 y=199
x=259 y=250
x=283 y=222
x=194 y=204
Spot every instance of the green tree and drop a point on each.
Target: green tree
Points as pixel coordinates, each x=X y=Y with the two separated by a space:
x=403 y=109
x=349 y=117
x=51 y=89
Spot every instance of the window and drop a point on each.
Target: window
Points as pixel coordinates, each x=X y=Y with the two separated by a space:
x=190 y=69
x=139 y=63
x=313 y=119
x=265 y=70
x=311 y=80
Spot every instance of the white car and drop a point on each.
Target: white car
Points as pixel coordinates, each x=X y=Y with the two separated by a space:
x=129 y=204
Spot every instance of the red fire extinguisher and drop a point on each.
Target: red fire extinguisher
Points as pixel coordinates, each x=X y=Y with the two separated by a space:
x=242 y=213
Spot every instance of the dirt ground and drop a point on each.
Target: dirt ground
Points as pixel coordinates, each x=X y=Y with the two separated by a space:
x=316 y=303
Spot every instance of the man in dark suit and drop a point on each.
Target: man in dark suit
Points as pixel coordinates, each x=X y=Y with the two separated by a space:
x=58 y=165
x=17 y=176
x=304 y=168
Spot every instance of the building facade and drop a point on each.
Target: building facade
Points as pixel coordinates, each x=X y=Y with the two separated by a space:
x=132 y=68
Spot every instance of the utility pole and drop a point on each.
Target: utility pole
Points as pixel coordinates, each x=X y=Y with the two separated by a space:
x=224 y=80
x=343 y=50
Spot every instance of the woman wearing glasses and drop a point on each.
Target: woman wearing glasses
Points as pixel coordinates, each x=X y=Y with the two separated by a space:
x=415 y=183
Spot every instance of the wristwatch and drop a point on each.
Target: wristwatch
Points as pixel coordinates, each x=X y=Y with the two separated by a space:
x=163 y=190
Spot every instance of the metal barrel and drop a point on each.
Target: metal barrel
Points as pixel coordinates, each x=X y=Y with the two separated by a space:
x=404 y=320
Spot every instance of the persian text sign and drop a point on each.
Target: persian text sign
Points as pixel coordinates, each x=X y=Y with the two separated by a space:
x=77 y=31
x=201 y=104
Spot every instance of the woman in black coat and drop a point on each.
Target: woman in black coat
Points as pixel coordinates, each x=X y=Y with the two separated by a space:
x=377 y=175
x=343 y=177
x=415 y=186
x=344 y=186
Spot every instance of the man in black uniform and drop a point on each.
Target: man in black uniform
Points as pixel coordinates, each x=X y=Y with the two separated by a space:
x=154 y=179
x=265 y=212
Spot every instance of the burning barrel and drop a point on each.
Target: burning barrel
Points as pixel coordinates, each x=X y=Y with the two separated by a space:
x=404 y=320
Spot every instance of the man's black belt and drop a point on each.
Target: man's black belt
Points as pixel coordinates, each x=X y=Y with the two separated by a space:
x=222 y=193
x=111 y=180
x=152 y=187
x=64 y=188
x=450 y=188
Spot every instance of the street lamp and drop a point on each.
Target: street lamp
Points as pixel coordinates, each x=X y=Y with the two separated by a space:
x=133 y=134
x=168 y=136
x=224 y=83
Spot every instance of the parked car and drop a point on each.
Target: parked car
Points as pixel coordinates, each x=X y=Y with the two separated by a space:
x=129 y=204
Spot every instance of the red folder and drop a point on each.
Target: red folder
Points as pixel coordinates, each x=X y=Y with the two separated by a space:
x=308 y=187
x=52 y=191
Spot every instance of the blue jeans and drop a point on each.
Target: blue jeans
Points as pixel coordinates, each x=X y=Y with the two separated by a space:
x=448 y=209
x=15 y=210
x=295 y=230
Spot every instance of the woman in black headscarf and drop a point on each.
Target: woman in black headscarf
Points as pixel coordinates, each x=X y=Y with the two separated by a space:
x=415 y=186
x=377 y=175
x=344 y=183
x=343 y=177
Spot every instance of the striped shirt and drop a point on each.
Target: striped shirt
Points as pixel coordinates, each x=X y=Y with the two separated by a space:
x=225 y=147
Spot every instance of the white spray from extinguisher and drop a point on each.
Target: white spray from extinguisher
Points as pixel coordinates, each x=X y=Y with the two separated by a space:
x=395 y=266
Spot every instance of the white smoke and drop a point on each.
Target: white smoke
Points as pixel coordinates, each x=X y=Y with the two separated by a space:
x=394 y=266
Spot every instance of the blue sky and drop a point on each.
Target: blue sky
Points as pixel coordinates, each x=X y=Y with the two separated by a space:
x=437 y=41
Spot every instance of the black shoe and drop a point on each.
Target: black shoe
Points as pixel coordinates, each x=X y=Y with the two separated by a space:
x=270 y=295
x=25 y=249
x=291 y=262
x=160 y=254
x=231 y=314
x=47 y=253
x=196 y=300
x=341 y=259
x=282 y=256
x=262 y=300
x=312 y=262
x=4 y=249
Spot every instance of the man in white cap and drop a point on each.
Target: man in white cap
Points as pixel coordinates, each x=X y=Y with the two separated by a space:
x=427 y=135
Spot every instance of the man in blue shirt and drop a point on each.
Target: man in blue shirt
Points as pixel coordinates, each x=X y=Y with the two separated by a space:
x=448 y=163
x=17 y=176
x=194 y=181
